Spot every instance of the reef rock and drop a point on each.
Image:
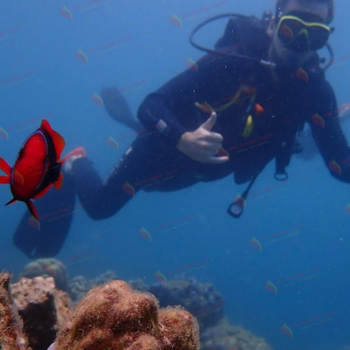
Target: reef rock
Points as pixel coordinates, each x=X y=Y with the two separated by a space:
x=80 y=285
x=113 y=317
x=43 y=308
x=225 y=336
x=200 y=299
x=11 y=326
x=138 y=285
x=47 y=268
x=179 y=329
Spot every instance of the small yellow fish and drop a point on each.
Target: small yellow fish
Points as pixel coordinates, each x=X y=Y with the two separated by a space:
x=248 y=127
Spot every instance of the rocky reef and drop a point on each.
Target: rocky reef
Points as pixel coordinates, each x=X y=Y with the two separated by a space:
x=48 y=268
x=225 y=336
x=43 y=309
x=201 y=299
x=107 y=313
x=12 y=336
x=80 y=285
x=113 y=316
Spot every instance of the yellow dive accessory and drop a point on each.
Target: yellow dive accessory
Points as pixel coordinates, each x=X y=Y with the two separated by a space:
x=205 y=107
x=290 y=28
x=248 y=127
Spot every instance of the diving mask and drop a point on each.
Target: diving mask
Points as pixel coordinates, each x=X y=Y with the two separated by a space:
x=302 y=35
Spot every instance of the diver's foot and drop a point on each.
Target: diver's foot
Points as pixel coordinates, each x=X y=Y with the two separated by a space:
x=69 y=159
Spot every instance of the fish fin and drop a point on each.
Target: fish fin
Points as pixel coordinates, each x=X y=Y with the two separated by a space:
x=18 y=177
x=5 y=167
x=11 y=202
x=4 y=180
x=43 y=192
x=32 y=209
x=59 y=182
x=57 y=139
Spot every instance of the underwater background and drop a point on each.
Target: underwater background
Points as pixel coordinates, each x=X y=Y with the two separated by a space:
x=39 y=41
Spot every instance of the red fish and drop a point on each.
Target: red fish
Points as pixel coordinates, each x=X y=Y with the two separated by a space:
x=37 y=167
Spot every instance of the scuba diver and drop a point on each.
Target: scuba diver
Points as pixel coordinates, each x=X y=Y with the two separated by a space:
x=224 y=116
x=308 y=146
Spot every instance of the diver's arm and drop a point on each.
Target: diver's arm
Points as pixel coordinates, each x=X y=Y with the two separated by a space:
x=330 y=139
x=155 y=115
x=202 y=144
x=171 y=109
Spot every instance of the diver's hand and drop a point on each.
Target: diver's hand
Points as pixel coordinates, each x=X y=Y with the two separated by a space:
x=202 y=145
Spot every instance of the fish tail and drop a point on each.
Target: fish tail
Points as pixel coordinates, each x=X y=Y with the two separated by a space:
x=32 y=209
x=5 y=167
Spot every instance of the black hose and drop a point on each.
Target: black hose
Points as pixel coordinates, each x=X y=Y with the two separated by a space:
x=331 y=52
x=208 y=50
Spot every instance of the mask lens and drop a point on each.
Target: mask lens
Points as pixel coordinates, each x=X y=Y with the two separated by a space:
x=318 y=37
x=290 y=29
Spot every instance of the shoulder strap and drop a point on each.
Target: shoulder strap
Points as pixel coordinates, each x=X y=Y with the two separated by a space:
x=248 y=32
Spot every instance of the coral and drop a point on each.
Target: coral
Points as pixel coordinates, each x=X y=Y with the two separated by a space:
x=138 y=285
x=225 y=336
x=11 y=326
x=179 y=329
x=113 y=316
x=43 y=309
x=201 y=299
x=104 y=278
x=110 y=317
x=47 y=268
x=80 y=285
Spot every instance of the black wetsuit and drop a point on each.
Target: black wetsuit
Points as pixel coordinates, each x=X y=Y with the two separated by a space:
x=153 y=162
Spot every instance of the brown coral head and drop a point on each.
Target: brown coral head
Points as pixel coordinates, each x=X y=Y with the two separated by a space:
x=179 y=329
x=113 y=315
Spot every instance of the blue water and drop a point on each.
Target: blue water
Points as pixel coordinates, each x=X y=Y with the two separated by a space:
x=44 y=43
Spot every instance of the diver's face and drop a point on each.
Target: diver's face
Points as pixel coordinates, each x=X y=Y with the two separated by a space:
x=278 y=52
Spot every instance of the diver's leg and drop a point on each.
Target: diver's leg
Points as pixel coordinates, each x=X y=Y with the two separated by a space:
x=103 y=199
x=45 y=237
x=150 y=164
